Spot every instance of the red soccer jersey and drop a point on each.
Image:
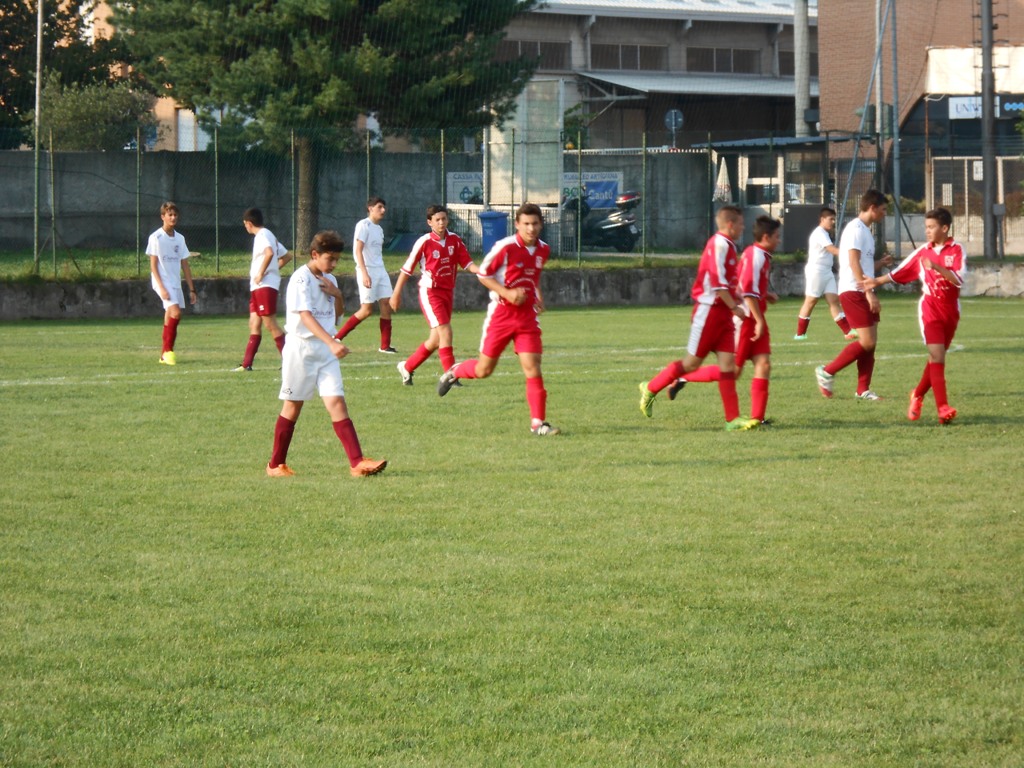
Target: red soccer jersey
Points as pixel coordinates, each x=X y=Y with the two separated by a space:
x=717 y=270
x=511 y=264
x=438 y=259
x=933 y=285
x=754 y=272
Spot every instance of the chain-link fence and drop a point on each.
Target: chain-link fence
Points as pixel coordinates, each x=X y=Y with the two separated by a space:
x=957 y=183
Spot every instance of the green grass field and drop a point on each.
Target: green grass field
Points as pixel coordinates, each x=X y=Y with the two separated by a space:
x=841 y=589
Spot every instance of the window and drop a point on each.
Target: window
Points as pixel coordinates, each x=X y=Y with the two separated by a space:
x=787 y=64
x=647 y=58
x=723 y=60
x=550 y=55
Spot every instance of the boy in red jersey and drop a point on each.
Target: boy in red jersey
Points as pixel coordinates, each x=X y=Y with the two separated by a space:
x=310 y=358
x=711 y=327
x=511 y=271
x=439 y=254
x=940 y=265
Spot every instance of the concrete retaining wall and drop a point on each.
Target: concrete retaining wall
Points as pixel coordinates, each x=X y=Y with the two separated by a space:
x=587 y=287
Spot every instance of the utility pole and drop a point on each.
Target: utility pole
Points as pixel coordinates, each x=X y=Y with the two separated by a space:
x=801 y=67
x=988 y=109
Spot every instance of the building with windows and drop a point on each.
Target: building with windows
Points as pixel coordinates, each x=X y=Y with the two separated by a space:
x=726 y=65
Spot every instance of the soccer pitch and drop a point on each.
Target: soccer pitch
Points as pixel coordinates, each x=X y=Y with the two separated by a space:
x=842 y=588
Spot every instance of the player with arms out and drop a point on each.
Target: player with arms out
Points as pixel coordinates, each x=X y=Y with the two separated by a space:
x=940 y=265
x=311 y=354
x=168 y=259
x=715 y=292
x=863 y=310
x=511 y=271
x=371 y=276
x=268 y=256
x=439 y=254
x=818 y=277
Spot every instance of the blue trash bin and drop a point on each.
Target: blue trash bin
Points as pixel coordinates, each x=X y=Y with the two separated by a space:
x=493 y=227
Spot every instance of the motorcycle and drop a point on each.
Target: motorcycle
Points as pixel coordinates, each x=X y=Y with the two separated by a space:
x=618 y=229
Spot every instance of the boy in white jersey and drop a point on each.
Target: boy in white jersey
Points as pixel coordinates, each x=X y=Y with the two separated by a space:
x=268 y=256
x=371 y=276
x=168 y=258
x=818 y=277
x=311 y=355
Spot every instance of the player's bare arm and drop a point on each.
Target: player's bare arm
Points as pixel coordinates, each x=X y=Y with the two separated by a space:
x=730 y=301
x=362 y=264
x=268 y=254
x=946 y=273
x=154 y=268
x=338 y=349
x=188 y=279
x=395 y=302
x=539 y=301
x=514 y=296
x=754 y=310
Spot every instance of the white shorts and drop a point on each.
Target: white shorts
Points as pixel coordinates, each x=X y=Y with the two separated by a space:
x=308 y=365
x=380 y=285
x=818 y=282
x=174 y=294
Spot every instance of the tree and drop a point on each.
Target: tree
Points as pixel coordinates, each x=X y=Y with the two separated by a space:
x=92 y=117
x=67 y=49
x=311 y=67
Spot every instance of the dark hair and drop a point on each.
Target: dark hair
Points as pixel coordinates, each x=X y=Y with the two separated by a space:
x=433 y=210
x=826 y=211
x=941 y=215
x=530 y=209
x=731 y=212
x=765 y=226
x=374 y=200
x=872 y=198
x=169 y=206
x=327 y=241
x=254 y=216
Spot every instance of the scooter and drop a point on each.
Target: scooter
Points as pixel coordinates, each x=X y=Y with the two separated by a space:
x=618 y=230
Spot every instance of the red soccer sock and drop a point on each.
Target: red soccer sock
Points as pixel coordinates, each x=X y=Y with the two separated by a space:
x=671 y=372
x=346 y=432
x=758 y=398
x=416 y=358
x=283 y=431
x=279 y=343
x=730 y=401
x=537 y=398
x=251 y=349
x=865 y=367
x=385 y=333
x=704 y=374
x=346 y=329
x=848 y=354
x=465 y=370
x=447 y=355
x=801 y=325
x=925 y=383
x=171 y=333
x=937 y=373
x=843 y=323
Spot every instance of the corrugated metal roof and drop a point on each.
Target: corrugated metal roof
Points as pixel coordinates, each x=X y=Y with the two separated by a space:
x=718 y=10
x=704 y=84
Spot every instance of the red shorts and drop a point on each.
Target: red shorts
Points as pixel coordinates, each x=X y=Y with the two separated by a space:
x=746 y=347
x=436 y=306
x=506 y=323
x=711 y=330
x=858 y=313
x=263 y=302
x=938 y=321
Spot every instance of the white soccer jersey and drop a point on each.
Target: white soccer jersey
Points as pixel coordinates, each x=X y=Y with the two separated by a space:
x=305 y=294
x=170 y=251
x=856 y=236
x=272 y=277
x=372 y=237
x=817 y=256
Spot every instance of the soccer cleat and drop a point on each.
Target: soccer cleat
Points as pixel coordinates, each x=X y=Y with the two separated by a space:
x=646 y=401
x=545 y=429
x=405 y=374
x=675 y=388
x=869 y=396
x=767 y=421
x=742 y=424
x=445 y=383
x=168 y=358
x=387 y=350
x=914 y=409
x=800 y=337
x=281 y=470
x=242 y=368
x=851 y=336
x=946 y=414
x=367 y=467
x=824 y=381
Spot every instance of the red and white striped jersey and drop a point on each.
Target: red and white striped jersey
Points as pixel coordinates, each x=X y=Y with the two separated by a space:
x=513 y=265
x=717 y=270
x=755 y=271
x=949 y=255
x=438 y=259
